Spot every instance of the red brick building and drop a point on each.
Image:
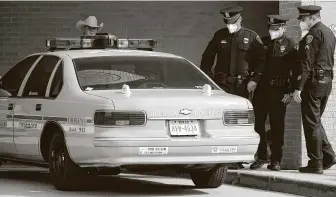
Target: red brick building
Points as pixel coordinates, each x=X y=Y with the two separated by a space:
x=182 y=28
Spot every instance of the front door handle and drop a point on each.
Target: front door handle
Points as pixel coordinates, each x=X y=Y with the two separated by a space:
x=38 y=107
x=11 y=106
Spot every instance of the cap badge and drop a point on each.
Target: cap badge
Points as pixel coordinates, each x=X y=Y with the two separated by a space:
x=227 y=14
x=282 y=48
x=245 y=40
x=272 y=20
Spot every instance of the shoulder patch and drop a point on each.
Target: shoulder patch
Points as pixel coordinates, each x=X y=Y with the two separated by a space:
x=309 y=39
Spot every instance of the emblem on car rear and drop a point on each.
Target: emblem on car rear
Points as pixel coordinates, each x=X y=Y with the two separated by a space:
x=185 y=111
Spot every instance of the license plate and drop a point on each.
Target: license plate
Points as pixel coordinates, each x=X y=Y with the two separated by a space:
x=224 y=149
x=153 y=150
x=184 y=127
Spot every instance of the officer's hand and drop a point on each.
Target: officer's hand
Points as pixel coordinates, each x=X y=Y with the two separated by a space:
x=297 y=96
x=251 y=86
x=286 y=99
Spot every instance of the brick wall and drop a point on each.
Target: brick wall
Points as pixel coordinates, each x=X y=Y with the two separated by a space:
x=182 y=28
x=292 y=151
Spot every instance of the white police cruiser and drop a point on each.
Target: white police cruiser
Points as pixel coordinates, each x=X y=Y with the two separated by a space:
x=103 y=105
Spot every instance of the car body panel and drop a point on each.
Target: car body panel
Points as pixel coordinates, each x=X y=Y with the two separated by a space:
x=90 y=145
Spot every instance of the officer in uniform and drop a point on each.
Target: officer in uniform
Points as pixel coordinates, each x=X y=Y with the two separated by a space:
x=240 y=56
x=316 y=55
x=274 y=91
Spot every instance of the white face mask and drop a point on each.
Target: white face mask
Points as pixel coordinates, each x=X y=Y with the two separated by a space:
x=232 y=28
x=275 y=34
x=304 y=26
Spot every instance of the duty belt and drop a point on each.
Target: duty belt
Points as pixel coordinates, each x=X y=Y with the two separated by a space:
x=278 y=81
x=224 y=78
x=322 y=73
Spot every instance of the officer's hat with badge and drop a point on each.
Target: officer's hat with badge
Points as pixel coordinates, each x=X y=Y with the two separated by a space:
x=308 y=10
x=276 y=20
x=231 y=14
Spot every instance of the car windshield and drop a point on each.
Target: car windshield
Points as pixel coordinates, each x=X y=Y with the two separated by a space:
x=104 y=73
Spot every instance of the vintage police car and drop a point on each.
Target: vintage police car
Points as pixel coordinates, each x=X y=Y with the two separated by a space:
x=101 y=105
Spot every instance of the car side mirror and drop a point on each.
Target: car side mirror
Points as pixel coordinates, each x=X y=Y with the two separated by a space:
x=4 y=93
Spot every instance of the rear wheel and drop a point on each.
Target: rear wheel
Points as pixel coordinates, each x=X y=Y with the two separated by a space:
x=209 y=179
x=65 y=174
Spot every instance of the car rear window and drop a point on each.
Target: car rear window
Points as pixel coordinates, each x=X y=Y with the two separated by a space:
x=103 y=73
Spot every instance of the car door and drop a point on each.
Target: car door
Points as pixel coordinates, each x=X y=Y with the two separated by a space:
x=11 y=82
x=28 y=114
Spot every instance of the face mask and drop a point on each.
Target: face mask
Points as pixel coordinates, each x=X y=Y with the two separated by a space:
x=275 y=34
x=232 y=28
x=304 y=26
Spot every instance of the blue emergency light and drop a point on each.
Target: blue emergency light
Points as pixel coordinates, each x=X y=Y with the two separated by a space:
x=100 y=41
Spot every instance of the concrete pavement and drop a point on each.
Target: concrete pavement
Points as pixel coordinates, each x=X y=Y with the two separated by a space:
x=290 y=182
x=34 y=182
x=286 y=181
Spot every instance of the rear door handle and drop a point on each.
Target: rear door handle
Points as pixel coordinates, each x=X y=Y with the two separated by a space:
x=38 y=107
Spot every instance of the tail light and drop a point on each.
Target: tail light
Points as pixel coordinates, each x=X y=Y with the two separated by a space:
x=238 y=117
x=119 y=118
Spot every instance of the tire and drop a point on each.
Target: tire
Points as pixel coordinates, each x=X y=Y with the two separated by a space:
x=65 y=174
x=213 y=178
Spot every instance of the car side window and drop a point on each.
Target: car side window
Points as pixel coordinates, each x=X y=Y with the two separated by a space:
x=38 y=80
x=57 y=83
x=12 y=80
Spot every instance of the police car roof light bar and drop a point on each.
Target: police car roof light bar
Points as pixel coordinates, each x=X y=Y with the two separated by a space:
x=136 y=43
x=100 y=41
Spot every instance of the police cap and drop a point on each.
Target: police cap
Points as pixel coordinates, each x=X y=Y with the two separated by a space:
x=308 y=10
x=276 y=19
x=231 y=14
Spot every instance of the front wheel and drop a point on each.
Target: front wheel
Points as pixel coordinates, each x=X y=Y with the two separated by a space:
x=65 y=174
x=213 y=178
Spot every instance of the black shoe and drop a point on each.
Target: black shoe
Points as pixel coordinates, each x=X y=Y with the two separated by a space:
x=314 y=168
x=258 y=164
x=275 y=166
x=327 y=165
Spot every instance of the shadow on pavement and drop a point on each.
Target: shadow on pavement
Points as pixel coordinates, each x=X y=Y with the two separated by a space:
x=121 y=184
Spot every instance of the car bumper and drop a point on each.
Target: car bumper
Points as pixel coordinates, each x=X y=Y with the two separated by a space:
x=111 y=152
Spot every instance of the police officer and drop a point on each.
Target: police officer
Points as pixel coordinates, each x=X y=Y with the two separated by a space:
x=239 y=52
x=316 y=55
x=273 y=92
x=89 y=27
x=240 y=55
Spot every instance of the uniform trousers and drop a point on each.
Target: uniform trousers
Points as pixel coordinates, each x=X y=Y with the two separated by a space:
x=267 y=101
x=314 y=100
